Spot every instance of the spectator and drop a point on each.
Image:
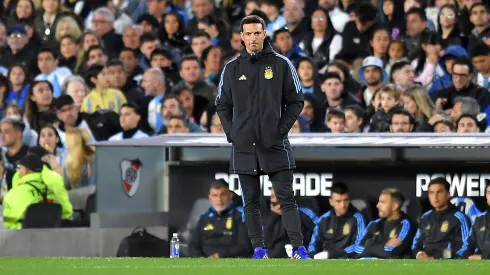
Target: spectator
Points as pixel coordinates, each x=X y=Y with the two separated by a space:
x=90 y=38
x=335 y=120
x=220 y=231
x=397 y=51
x=75 y=87
x=379 y=44
x=47 y=61
x=147 y=23
x=296 y=22
x=17 y=52
x=212 y=60
x=467 y=124
x=177 y=125
x=390 y=236
x=373 y=75
x=96 y=56
x=103 y=24
x=200 y=9
x=402 y=74
x=416 y=26
x=29 y=136
x=394 y=18
x=155 y=89
x=426 y=64
x=479 y=17
x=11 y=132
x=465 y=106
x=308 y=74
x=131 y=37
x=480 y=57
x=130 y=59
x=67 y=26
x=119 y=81
x=446 y=63
x=192 y=107
x=402 y=121
x=275 y=20
x=23 y=9
x=334 y=91
x=354 y=119
x=200 y=41
x=418 y=103
x=172 y=107
x=217 y=29
x=236 y=46
x=338 y=241
x=433 y=235
x=121 y=19
x=39 y=107
x=274 y=232
x=130 y=119
x=69 y=49
x=79 y=164
x=338 y=17
x=18 y=76
x=350 y=84
x=162 y=58
x=157 y=9
x=48 y=19
x=172 y=34
x=444 y=126
x=448 y=27
x=322 y=43
x=390 y=100
x=314 y=113
x=50 y=140
x=101 y=97
x=149 y=42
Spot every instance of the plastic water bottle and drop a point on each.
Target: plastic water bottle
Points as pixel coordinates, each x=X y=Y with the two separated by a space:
x=175 y=246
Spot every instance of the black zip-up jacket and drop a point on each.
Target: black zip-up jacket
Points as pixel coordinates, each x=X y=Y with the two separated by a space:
x=479 y=240
x=380 y=231
x=474 y=91
x=275 y=234
x=439 y=230
x=339 y=235
x=259 y=99
x=225 y=234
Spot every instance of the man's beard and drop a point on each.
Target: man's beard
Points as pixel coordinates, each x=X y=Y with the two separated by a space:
x=374 y=82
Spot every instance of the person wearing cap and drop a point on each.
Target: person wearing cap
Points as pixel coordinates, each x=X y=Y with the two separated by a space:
x=129 y=119
x=32 y=190
x=17 y=52
x=54 y=180
x=372 y=75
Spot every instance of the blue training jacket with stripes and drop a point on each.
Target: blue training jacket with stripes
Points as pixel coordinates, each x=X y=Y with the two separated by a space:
x=259 y=99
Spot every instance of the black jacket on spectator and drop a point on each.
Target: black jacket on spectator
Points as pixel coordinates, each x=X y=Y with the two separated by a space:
x=464 y=21
x=103 y=124
x=70 y=63
x=24 y=57
x=353 y=41
x=177 y=42
x=479 y=239
x=338 y=235
x=474 y=91
x=475 y=37
x=225 y=234
x=380 y=231
x=318 y=122
x=301 y=30
x=381 y=120
x=439 y=230
x=259 y=99
x=112 y=43
x=347 y=99
x=275 y=234
x=322 y=56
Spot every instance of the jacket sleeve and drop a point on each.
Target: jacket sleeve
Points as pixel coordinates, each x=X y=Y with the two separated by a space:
x=470 y=244
x=243 y=248
x=292 y=98
x=381 y=250
x=224 y=102
x=460 y=235
x=482 y=98
x=195 y=242
x=418 y=240
x=308 y=221
x=316 y=242
x=357 y=235
x=365 y=238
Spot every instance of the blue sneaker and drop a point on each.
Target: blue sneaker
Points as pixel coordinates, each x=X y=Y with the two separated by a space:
x=260 y=253
x=301 y=254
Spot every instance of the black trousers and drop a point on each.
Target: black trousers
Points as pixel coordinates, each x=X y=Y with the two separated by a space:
x=282 y=183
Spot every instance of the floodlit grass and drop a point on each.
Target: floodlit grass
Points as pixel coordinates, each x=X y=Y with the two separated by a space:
x=135 y=266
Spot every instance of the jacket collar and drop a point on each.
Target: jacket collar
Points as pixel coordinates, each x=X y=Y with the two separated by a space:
x=265 y=51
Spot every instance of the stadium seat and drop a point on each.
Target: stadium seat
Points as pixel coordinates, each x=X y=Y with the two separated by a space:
x=308 y=202
x=365 y=207
x=467 y=206
x=42 y=215
x=413 y=209
x=184 y=232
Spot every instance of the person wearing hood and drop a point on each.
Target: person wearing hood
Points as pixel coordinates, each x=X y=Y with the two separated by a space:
x=479 y=16
x=283 y=42
x=314 y=113
x=335 y=96
x=446 y=63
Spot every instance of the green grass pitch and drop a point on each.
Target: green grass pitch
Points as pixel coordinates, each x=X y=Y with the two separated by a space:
x=135 y=266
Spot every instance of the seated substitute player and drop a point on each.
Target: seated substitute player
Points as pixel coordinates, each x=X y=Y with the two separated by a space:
x=220 y=231
x=442 y=230
x=391 y=235
x=338 y=231
x=477 y=245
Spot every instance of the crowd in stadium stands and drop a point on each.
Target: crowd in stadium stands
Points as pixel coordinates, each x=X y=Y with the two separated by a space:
x=347 y=231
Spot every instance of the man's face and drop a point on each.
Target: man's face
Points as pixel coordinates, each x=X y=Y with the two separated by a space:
x=293 y=12
x=160 y=61
x=202 y=8
x=170 y=108
x=131 y=39
x=253 y=35
x=438 y=196
x=385 y=206
x=100 y=25
x=307 y=111
x=336 y=124
x=148 y=47
x=332 y=88
x=129 y=60
x=176 y=126
x=236 y=42
x=457 y=111
x=220 y=198
x=340 y=203
x=467 y=125
x=352 y=122
x=442 y=128
x=198 y=45
x=187 y=100
x=68 y=114
x=117 y=76
x=415 y=25
x=327 y=4
x=9 y=134
x=404 y=76
x=97 y=57
x=190 y=71
x=373 y=76
x=479 y=16
x=146 y=26
x=481 y=63
x=461 y=76
x=400 y=124
x=17 y=41
x=46 y=62
x=155 y=7
x=128 y=118
x=284 y=42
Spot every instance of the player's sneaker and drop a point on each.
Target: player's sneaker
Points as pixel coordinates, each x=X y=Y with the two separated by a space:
x=301 y=254
x=260 y=253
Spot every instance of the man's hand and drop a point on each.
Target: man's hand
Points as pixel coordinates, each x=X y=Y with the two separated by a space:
x=394 y=242
x=215 y=256
x=440 y=102
x=423 y=256
x=474 y=257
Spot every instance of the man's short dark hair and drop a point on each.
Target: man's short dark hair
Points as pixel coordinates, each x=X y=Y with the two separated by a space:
x=398 y=66
x=448 y=122
x=329 y=75
x=366 y=12
x=404 y=112
x=181 y=105
x=418 y=11
x=161 y=51
x=148 y=37
x=180 y=90
x=48 y=50
x=218 y=184
x=17 y=124
x=477 y=5
x=189 y=57
x=480 y=49
x=93 y=71
x=470 y=116
x=395 y=195
x=339 y=188
x=279 y=31
x=181 y=118
x=115 y=62
x=335 y=113
x=358 y=111
x=461 y=61
x=252 y=19
x=126 y=49
x=442 y=181
x=133 y=106
x=201 y=34
x=94 y=48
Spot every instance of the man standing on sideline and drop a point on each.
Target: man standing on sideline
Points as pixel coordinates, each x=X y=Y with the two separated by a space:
x=250 y=86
